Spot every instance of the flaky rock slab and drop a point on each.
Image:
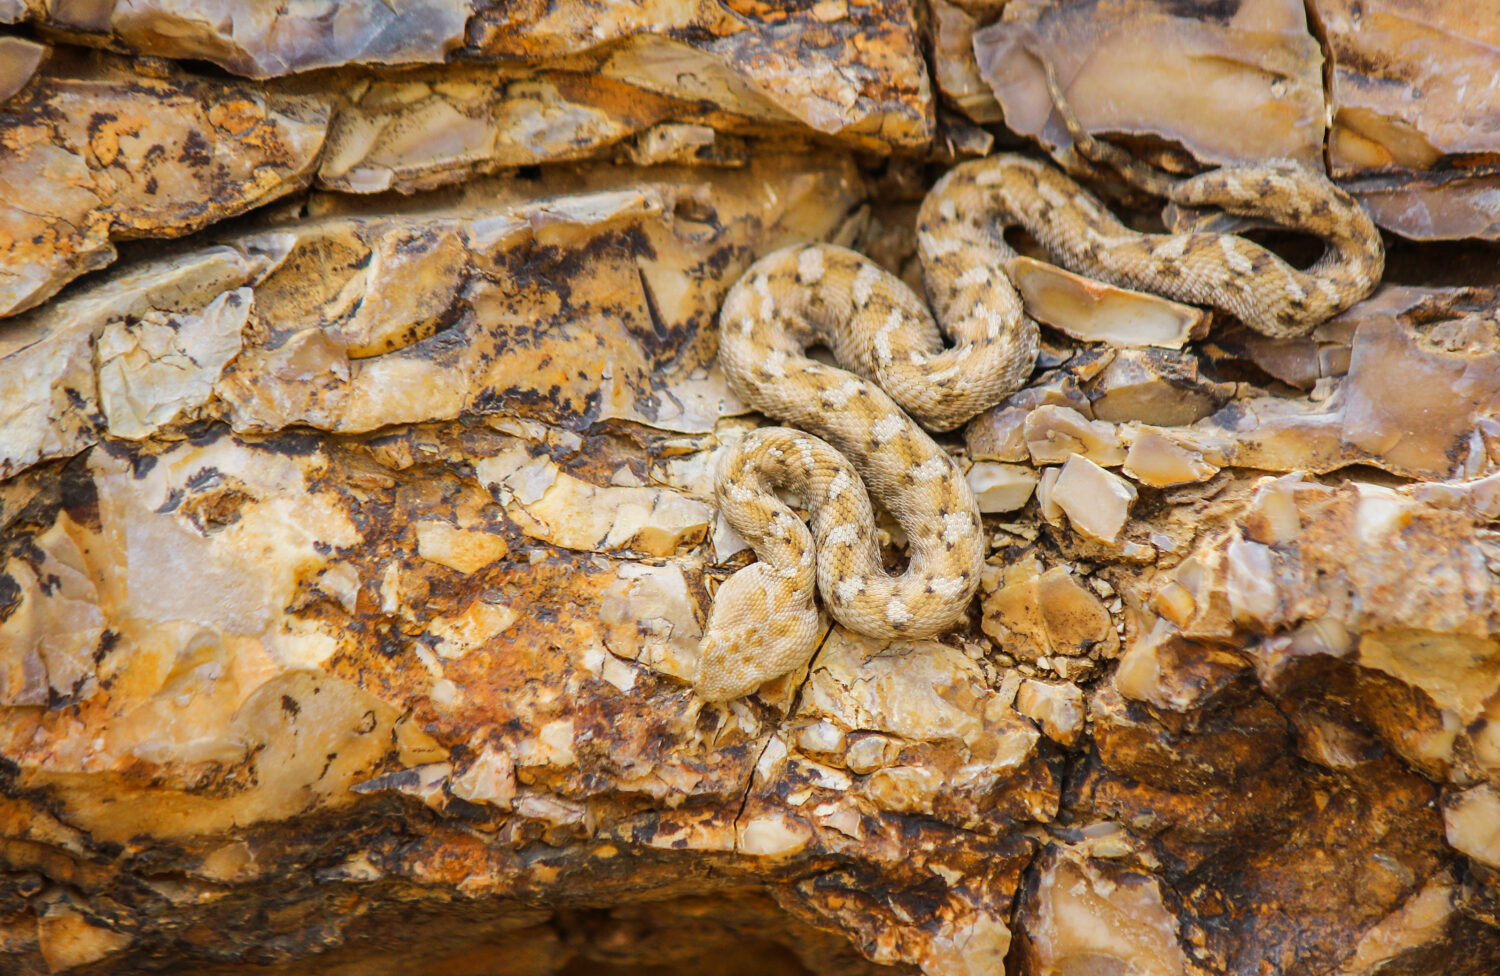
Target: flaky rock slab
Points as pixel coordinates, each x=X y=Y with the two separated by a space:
x=93 y=152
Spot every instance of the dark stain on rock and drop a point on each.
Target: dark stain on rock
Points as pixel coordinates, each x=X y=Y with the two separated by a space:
x=10 y=596
x=79 y=494
x=291 y=443
x=195 y=149
x=204 y=477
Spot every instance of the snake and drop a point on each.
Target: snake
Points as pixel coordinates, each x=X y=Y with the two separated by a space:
x=857 y=432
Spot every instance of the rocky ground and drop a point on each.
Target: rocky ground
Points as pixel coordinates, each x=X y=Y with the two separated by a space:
x=358 y=412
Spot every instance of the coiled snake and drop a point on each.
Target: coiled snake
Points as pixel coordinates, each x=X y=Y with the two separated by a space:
x=764 y=622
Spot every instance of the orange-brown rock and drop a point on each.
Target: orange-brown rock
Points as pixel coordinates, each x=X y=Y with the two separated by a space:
x=1413 y=108
x=93 y=152
x=355 y=551
x=1164 y=72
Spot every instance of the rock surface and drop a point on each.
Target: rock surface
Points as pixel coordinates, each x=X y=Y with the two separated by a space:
x=94 y=151
x=357 y=526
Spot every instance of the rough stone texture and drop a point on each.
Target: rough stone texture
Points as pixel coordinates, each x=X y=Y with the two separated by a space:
x=1413 y=130
x=1415 y=112
x=1154 y=68
x=351 y=323
x=103 y=148
x=1296 y=668
x=259 y=40
x=92 y=152
x=354 y=552
x=834 y=66
x=19 y=61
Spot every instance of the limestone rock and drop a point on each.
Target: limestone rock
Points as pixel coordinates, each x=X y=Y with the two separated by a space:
x=834 y=67
x=1049 y=619
x=436 y=575
x=151 y=150
x=239 y=332
x=1437 y=421
x=1306 y=601
x=957 y=71
x=1408 y=92
x=1095 y=311
x=1148 y=68
x=258 y=41
x=1413 y=110
x=355 y=545
x=92 y=152
x=19 y=61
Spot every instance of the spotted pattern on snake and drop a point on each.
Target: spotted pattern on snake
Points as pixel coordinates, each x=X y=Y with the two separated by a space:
x=1222 y=271
x=764 y=621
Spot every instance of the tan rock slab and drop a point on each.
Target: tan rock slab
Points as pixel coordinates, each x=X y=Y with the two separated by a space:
x=19 y=61
x=1035 y=615
x=1053 y=434
x=1088 y=911
x=1097 y=502
x=135 y=156
x=1001 y=487
x=410 y=317
x=1411 y=93
x=1094 y=311
x=1146 y=68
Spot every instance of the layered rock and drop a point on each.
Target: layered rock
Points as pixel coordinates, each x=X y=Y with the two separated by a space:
x=354 y=551
x=93 y=151
x=1408 y=91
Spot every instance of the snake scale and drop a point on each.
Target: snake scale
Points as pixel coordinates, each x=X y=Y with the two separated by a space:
x=856 y=436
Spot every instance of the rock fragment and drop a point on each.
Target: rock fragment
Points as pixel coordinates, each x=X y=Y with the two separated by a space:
x=135 y=156
x=1409 y=95
x=1157 y=387
x=1054 y=434
x=1038 y=616
x=1096 y=501
x=1122 y=62
x=1094 y=311
x=1001 y=487
x=1091 y=912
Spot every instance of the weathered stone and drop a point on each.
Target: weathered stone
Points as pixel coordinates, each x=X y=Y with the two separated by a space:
x=1001 y=487
x=381 y=613
x=278 y=349
x=429 y=127
x=19 y=61
x=1156 y=460
x=1438 y=421
x=354 y=556
x=50 y=395
x=1153 y=386
x=999 y=434
x=1141 y=67
x=1093 y=311
x=1321 y=578
x=1038 y=616
x=1093 y=913
x=957 y=73
x=1411 y=97
x=1301 y=621
x=260 y=42
x=849 y=69
x=1054 y=434
x=1056 y=707
x=1473 y=823
x=93 y=152
x=836 y=68
x=1096 y=502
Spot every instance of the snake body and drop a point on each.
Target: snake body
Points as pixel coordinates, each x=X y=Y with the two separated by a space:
x=764 y=622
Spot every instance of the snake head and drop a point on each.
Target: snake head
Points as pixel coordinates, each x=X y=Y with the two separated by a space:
x=760 y=628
